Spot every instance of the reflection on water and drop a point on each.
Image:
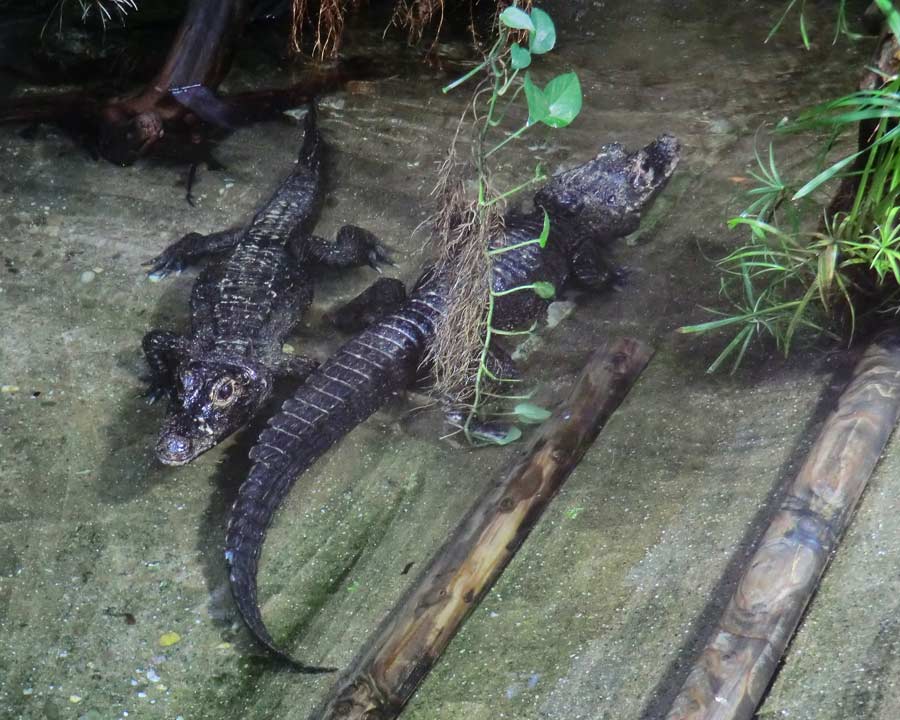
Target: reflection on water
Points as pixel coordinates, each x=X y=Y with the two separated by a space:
x=612 y=588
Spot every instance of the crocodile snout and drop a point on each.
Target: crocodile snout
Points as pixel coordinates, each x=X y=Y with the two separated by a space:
x=174 y=450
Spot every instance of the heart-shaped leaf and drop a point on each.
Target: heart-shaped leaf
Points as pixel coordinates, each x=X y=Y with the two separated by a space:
x=521 y=58
x=544 y=290
x=544 y=36
x=516 y=18
x=563 y=98
x=538 y=107
x=531 y=413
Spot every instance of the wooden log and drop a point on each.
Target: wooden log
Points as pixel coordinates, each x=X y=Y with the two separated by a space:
x=383 y=677
x=736 y=667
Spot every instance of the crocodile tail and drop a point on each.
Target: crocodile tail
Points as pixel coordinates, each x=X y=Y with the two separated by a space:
x=312 y=139
x=348 y=388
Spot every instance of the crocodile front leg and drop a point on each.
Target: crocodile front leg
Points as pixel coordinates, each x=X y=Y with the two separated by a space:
x=385 y=295
x=353 y=247
x=163 y=350
x=294 y=367
x=190 y=249
x=592 y=270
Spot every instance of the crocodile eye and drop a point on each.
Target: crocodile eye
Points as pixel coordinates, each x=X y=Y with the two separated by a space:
x=223 y=392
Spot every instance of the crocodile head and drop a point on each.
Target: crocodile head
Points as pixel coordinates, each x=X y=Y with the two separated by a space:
x=214 y=399
x=605 y=196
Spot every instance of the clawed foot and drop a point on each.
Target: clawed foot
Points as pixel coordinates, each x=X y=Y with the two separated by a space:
x=173 y=259
x=378 y=253
x=618 y=277
x=296 y=367
x=354 y=246
x=155 y=390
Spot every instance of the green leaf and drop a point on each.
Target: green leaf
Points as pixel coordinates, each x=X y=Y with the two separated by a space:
x=513 y=434
x=538 y=107
x=544 y=36
x=890 y=12
x=563 y=96
x=516 y=18
x=521 y=58
x=531 y=413
x=544 y=290
x=545 y=231
x=824 y=176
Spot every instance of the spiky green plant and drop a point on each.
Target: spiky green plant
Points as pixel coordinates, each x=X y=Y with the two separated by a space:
x=789 y=277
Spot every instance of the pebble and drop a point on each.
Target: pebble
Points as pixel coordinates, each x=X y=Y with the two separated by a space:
x=88 y=276
x=559 y=311
x=152 y=676
x=169 y=638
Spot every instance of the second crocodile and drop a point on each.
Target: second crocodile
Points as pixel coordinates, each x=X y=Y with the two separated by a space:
x=589 y=206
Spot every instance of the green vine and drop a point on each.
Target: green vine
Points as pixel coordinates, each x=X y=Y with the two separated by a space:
x=504 y=77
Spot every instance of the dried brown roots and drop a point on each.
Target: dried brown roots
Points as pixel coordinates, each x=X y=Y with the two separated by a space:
x=461 y=234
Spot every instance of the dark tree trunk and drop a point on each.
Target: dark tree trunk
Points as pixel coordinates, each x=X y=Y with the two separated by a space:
x=200 y=54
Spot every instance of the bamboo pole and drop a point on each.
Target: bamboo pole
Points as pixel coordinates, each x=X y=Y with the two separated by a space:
x=384 y=676
x=736 y=667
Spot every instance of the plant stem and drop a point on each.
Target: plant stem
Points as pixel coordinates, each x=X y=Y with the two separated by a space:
x=516 y=134
x=509 y=193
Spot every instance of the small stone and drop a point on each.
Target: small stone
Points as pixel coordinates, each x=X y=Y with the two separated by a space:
x=88 y=276
x=559 y=311
x=152 y=676
x=169 y=638
x=97 y=270
x=28 y=691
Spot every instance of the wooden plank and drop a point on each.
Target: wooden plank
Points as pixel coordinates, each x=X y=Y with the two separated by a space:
x=730 y=677
x=384 y=676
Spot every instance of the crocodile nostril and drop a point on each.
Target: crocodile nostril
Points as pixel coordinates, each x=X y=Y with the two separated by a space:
x=178 y=446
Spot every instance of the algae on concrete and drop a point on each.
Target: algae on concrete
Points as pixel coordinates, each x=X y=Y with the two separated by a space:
x=601 y=610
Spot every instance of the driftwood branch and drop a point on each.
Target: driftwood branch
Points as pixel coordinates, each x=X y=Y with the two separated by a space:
x=735 y=668
x=409 y=642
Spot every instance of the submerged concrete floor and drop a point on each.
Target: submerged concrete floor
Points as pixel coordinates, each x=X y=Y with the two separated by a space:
x=103 y=552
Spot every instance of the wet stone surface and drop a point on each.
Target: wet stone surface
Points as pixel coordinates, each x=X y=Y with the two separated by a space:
x=113 y=593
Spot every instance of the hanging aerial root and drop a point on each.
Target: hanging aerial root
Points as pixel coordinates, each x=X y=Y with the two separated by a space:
x=460 y=233
x=416 y=15
x=329 y=25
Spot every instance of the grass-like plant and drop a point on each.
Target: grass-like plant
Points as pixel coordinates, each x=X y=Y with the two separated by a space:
x=805 y=270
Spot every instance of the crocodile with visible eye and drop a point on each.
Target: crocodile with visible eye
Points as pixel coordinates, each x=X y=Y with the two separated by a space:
x=243 y=306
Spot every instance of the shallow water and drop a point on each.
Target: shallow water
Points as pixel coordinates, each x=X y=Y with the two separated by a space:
x=601 y=610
